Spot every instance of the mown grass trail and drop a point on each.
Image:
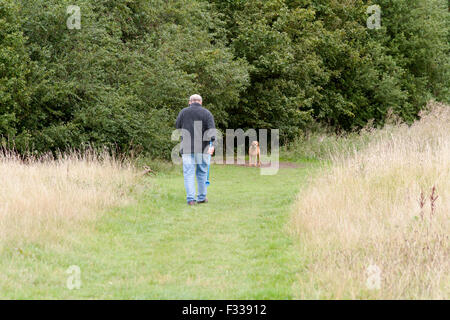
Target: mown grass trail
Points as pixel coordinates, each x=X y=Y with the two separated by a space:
x=236 y=247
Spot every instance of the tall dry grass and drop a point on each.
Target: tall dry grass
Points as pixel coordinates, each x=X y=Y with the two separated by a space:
x=382 y=210
x=41 y=199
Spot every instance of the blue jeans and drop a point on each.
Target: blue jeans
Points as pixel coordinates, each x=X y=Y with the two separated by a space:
x=195 y=164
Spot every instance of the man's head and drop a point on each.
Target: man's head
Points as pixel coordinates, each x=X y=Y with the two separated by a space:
x=196 y=98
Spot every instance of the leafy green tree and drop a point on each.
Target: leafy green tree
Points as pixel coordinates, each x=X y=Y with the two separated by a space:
x=14 y=69
x=121 y=79
x=318 y=58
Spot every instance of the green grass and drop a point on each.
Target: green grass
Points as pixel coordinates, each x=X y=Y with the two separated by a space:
x=236 y=247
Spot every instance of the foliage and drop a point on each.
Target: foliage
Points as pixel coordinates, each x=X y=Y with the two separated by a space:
x=14 y=95
x=122 y=78
x=317 y=57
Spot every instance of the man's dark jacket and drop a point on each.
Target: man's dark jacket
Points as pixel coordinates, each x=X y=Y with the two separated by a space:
x=198 y=123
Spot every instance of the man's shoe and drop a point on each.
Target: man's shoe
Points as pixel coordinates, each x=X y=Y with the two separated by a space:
x=204 y=201
x=192 y=203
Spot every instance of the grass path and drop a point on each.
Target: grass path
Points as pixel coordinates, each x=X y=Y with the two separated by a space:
x=235 y=247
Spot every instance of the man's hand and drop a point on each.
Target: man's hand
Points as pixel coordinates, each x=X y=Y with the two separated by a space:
x=211 y=150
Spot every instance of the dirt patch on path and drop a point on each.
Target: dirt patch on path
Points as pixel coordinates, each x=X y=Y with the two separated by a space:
x=282 y=165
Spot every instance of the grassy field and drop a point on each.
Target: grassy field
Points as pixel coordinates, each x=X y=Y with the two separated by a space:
x=369 y=221
x=236 y=247
x=381 y=212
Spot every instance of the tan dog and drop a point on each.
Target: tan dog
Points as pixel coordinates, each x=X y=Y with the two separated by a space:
x=254 y=154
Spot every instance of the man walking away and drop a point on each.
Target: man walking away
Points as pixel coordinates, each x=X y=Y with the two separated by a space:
x=198 y=136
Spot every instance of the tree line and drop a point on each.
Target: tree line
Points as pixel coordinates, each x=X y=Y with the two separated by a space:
x=120 y=80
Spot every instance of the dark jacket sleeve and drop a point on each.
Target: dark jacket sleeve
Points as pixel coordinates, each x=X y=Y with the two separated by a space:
x=210 y=124
x=179 y=122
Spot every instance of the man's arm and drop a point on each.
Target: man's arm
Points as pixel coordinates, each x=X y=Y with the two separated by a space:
x=211 y=127
x=179 y=122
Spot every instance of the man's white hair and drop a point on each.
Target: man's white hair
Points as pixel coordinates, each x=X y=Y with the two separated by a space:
x=195 y=97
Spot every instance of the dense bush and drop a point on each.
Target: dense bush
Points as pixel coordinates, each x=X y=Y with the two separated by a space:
x=318 y=58
x=122 y=78
x=14 y=94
